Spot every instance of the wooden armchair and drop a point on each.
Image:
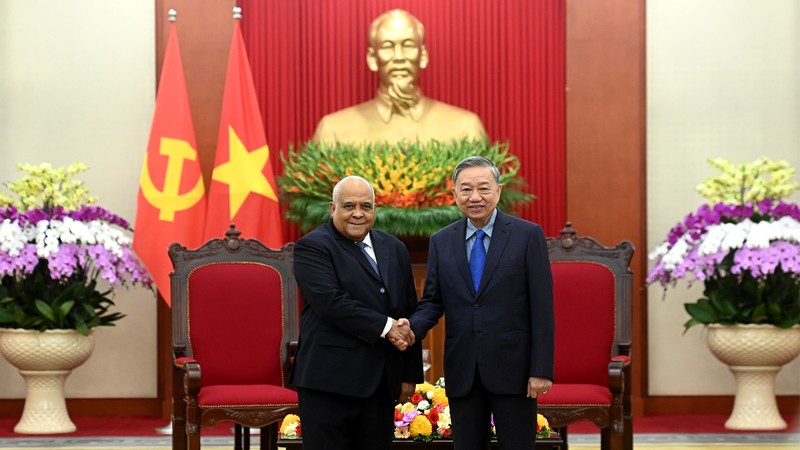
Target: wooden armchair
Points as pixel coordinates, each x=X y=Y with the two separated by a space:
x=234 y=314
x=592 y=295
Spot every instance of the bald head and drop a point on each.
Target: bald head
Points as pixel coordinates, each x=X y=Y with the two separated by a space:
x=337 y=189
x=353 y=207
x=394 y=18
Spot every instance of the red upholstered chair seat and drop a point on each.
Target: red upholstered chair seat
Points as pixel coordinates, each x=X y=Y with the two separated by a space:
x=246 y=396
x=234 y=320
x=592 y=305
x=577 y=394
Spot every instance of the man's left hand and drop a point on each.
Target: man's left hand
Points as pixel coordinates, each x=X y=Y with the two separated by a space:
x=538 y=386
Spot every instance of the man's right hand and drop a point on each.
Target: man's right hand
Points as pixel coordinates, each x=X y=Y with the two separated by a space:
x=400 y=334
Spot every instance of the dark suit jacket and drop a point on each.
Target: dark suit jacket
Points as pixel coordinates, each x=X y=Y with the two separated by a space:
x=506 y=328
x=345 y=306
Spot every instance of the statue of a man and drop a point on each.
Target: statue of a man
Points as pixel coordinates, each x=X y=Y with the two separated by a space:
x=399 y=112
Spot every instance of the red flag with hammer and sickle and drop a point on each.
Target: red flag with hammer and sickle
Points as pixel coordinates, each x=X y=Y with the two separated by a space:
x=242 y=188
x=171 y=205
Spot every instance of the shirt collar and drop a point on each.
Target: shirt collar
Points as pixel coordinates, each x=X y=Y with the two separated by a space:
x=488 y=228
x=368 y=241
x=386 y=110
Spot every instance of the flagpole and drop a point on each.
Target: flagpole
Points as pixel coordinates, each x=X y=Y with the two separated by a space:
x=167 y=429
x=237 y=15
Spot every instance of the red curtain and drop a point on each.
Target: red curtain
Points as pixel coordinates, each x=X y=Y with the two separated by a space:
x=504 y=60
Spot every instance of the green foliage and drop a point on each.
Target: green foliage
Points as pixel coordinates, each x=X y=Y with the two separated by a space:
x=411 y=181
x=741 y=298
x=38 y=302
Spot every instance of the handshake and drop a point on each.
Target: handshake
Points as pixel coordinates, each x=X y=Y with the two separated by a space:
x=400 y=334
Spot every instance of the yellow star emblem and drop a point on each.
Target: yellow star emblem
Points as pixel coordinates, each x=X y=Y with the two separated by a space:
x=243 y=173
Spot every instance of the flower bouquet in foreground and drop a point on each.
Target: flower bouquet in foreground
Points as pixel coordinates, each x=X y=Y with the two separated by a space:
x=60 y=255
x=425 y=417
x=744 y=245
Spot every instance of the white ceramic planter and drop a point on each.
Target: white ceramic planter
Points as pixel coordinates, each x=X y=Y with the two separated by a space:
x=44 y=359
x=755 y=355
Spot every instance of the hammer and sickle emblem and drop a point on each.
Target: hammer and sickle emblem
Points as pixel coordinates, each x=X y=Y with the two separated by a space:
x=170 y=200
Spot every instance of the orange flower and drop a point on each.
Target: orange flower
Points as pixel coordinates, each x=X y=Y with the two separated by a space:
x=420 y=426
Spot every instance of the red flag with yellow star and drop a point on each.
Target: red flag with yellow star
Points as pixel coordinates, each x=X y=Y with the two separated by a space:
x=171 y=203
x=242 y=189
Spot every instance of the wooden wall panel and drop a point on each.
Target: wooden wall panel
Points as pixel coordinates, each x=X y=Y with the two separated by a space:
x=606 y=141
x=205 y=28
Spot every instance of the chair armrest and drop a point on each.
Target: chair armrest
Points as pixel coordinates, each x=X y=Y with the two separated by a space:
x=191 y=378
x=625 y=359
x=191 y=375
x=180 y=363
x=618 y=370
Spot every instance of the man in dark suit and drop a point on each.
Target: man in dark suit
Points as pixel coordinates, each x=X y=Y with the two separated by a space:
x=489 y=273
x=347 y=371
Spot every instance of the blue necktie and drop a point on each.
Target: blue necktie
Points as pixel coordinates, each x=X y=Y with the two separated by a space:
x=476 y=259
x=363 y=246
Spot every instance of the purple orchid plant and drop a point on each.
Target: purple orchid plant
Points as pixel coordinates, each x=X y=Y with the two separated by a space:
x=747 y=253
x=61 y=256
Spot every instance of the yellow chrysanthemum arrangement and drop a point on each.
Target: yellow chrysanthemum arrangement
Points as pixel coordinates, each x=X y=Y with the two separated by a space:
x=440 y=396
x=420 y=426
x=290 y=427
x=425 y=417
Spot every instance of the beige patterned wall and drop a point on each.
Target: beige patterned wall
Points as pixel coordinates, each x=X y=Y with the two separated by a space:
x=77 y=83
x=723 y=80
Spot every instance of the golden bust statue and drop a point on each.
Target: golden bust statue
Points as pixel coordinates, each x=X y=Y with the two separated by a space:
x=399 y=112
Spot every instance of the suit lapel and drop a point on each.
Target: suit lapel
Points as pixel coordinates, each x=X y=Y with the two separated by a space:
x=460 y=249
x=351 y=247
x=382 y=254
x=500 y=235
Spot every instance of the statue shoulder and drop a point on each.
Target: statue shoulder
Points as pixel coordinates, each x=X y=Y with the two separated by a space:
x=438 y=107
x=344 y=122
x=359 y=110
x=464 y=123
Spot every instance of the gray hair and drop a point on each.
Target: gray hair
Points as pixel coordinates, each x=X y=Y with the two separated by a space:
x=476 y=161
x=338 y=188
x=376 y=25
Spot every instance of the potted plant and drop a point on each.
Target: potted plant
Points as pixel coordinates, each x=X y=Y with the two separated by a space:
x=744 y=245
x=60 y=259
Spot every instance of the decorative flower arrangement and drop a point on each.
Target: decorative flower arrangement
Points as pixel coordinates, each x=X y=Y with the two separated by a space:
x=744 y=246
x=425 y=417
x=290 y=427
x=411 y=181
x=55 y=248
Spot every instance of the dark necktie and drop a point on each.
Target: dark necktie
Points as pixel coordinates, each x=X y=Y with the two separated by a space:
x=363 y=246
x=477 y=258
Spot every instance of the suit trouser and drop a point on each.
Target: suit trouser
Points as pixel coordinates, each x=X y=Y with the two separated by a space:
x=339 y=422
x=471 y=415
